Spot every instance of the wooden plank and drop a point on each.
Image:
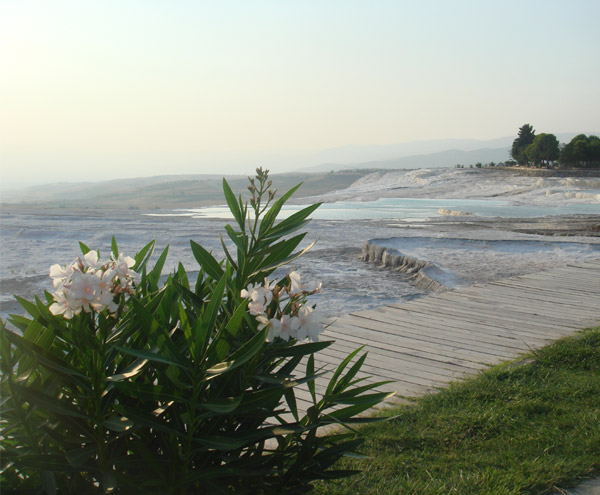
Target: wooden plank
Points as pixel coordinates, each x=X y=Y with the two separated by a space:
x=514 y=311
x=557 y=288
x=585 y=287
x=378 y=369
x=424 y=344
x=445 y=333
x=535 y=307
x=442 y=364
x=492 y=311
x=558 y=277
x=416 y=364
x=481 y=320
x=434 y=358
x=430 y=330
x=424 y=338
x=524 y=326
x=493 y=328
x=400 y=342
x=545 y=296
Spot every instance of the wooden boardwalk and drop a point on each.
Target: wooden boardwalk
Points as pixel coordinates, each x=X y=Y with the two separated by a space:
x=423 y=344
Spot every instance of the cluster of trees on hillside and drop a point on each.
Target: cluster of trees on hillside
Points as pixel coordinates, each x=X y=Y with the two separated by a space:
x=544 y=149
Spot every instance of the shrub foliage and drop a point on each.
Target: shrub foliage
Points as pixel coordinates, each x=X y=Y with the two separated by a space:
x=177 y=389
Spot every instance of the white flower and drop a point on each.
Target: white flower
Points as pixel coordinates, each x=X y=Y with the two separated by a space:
x=88 y=284
x=310 y=323
x=85 y=288
x=298 y=287
x=91 y=259
x=260 y=297
x=263 y=321
x=62 y=306
x=289 y=327
x=122 y=267
x=60 y=273
x=295 y=282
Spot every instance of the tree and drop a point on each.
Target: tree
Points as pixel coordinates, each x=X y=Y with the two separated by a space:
x=524 y=139
x=543 y=149
x=582 y=150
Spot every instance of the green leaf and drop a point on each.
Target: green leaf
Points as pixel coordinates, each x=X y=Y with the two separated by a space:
x=206 y=261
x=347 y=413
x=285 y=261
x=288 y=381
x=148 y=392
x=238 y=238
x=20 y=321
x=118 y=423
x=44 y=401
x=212 y=309
x=290 y=399
x=350 y=374
x=140 y=417
x=269 y=218
x=293 y=222
x=131 y=371
x=234 y=323
x=182 y=277
x=310 y=371
x=45 y=358
x=223 y=406
x=84 y=249
x=54 y=462
x=340 y=369
x=48 y=482
x=221 y=442
x=363 y=388
x=242 y=355
x=373 y=399
x=233 y=204
x=298 y=349
x=151 y=356
x=142 y=258
x=154 y=275
x=28 y=306
x=78 y=457
x=114 y=249
x=227 y=253
x=261 y=401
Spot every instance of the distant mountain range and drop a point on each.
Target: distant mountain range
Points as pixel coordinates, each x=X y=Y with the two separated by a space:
x=166 y=191
x=448 y=158
x=418 y=154
x=314 y=170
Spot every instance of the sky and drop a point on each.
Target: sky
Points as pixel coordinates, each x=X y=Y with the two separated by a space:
x=94 y=90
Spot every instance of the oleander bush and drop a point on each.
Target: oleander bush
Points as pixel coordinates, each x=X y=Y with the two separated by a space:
x=120 y=383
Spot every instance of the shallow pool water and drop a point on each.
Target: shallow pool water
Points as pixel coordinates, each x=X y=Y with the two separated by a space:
x=409 y=209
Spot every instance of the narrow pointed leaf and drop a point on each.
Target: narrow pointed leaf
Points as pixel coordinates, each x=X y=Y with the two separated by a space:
x=270 y=217
x=242 y=355
x=114 y=248
x=142 y=257
x=293 y=222
x=233 y=204
x=206 y=261
x=223 y=406
x=44 y=401
x=84 y=249
x=340 y=369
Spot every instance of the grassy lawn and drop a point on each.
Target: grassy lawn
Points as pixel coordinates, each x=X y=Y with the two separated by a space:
x=520 y=428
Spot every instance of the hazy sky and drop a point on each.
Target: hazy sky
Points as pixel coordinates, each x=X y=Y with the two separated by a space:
x=104 y=89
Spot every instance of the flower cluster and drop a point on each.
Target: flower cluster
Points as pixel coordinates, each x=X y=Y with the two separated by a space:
x=91 y=285
x=283 y=308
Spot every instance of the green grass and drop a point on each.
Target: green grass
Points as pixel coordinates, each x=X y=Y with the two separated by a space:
x=515 y=429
